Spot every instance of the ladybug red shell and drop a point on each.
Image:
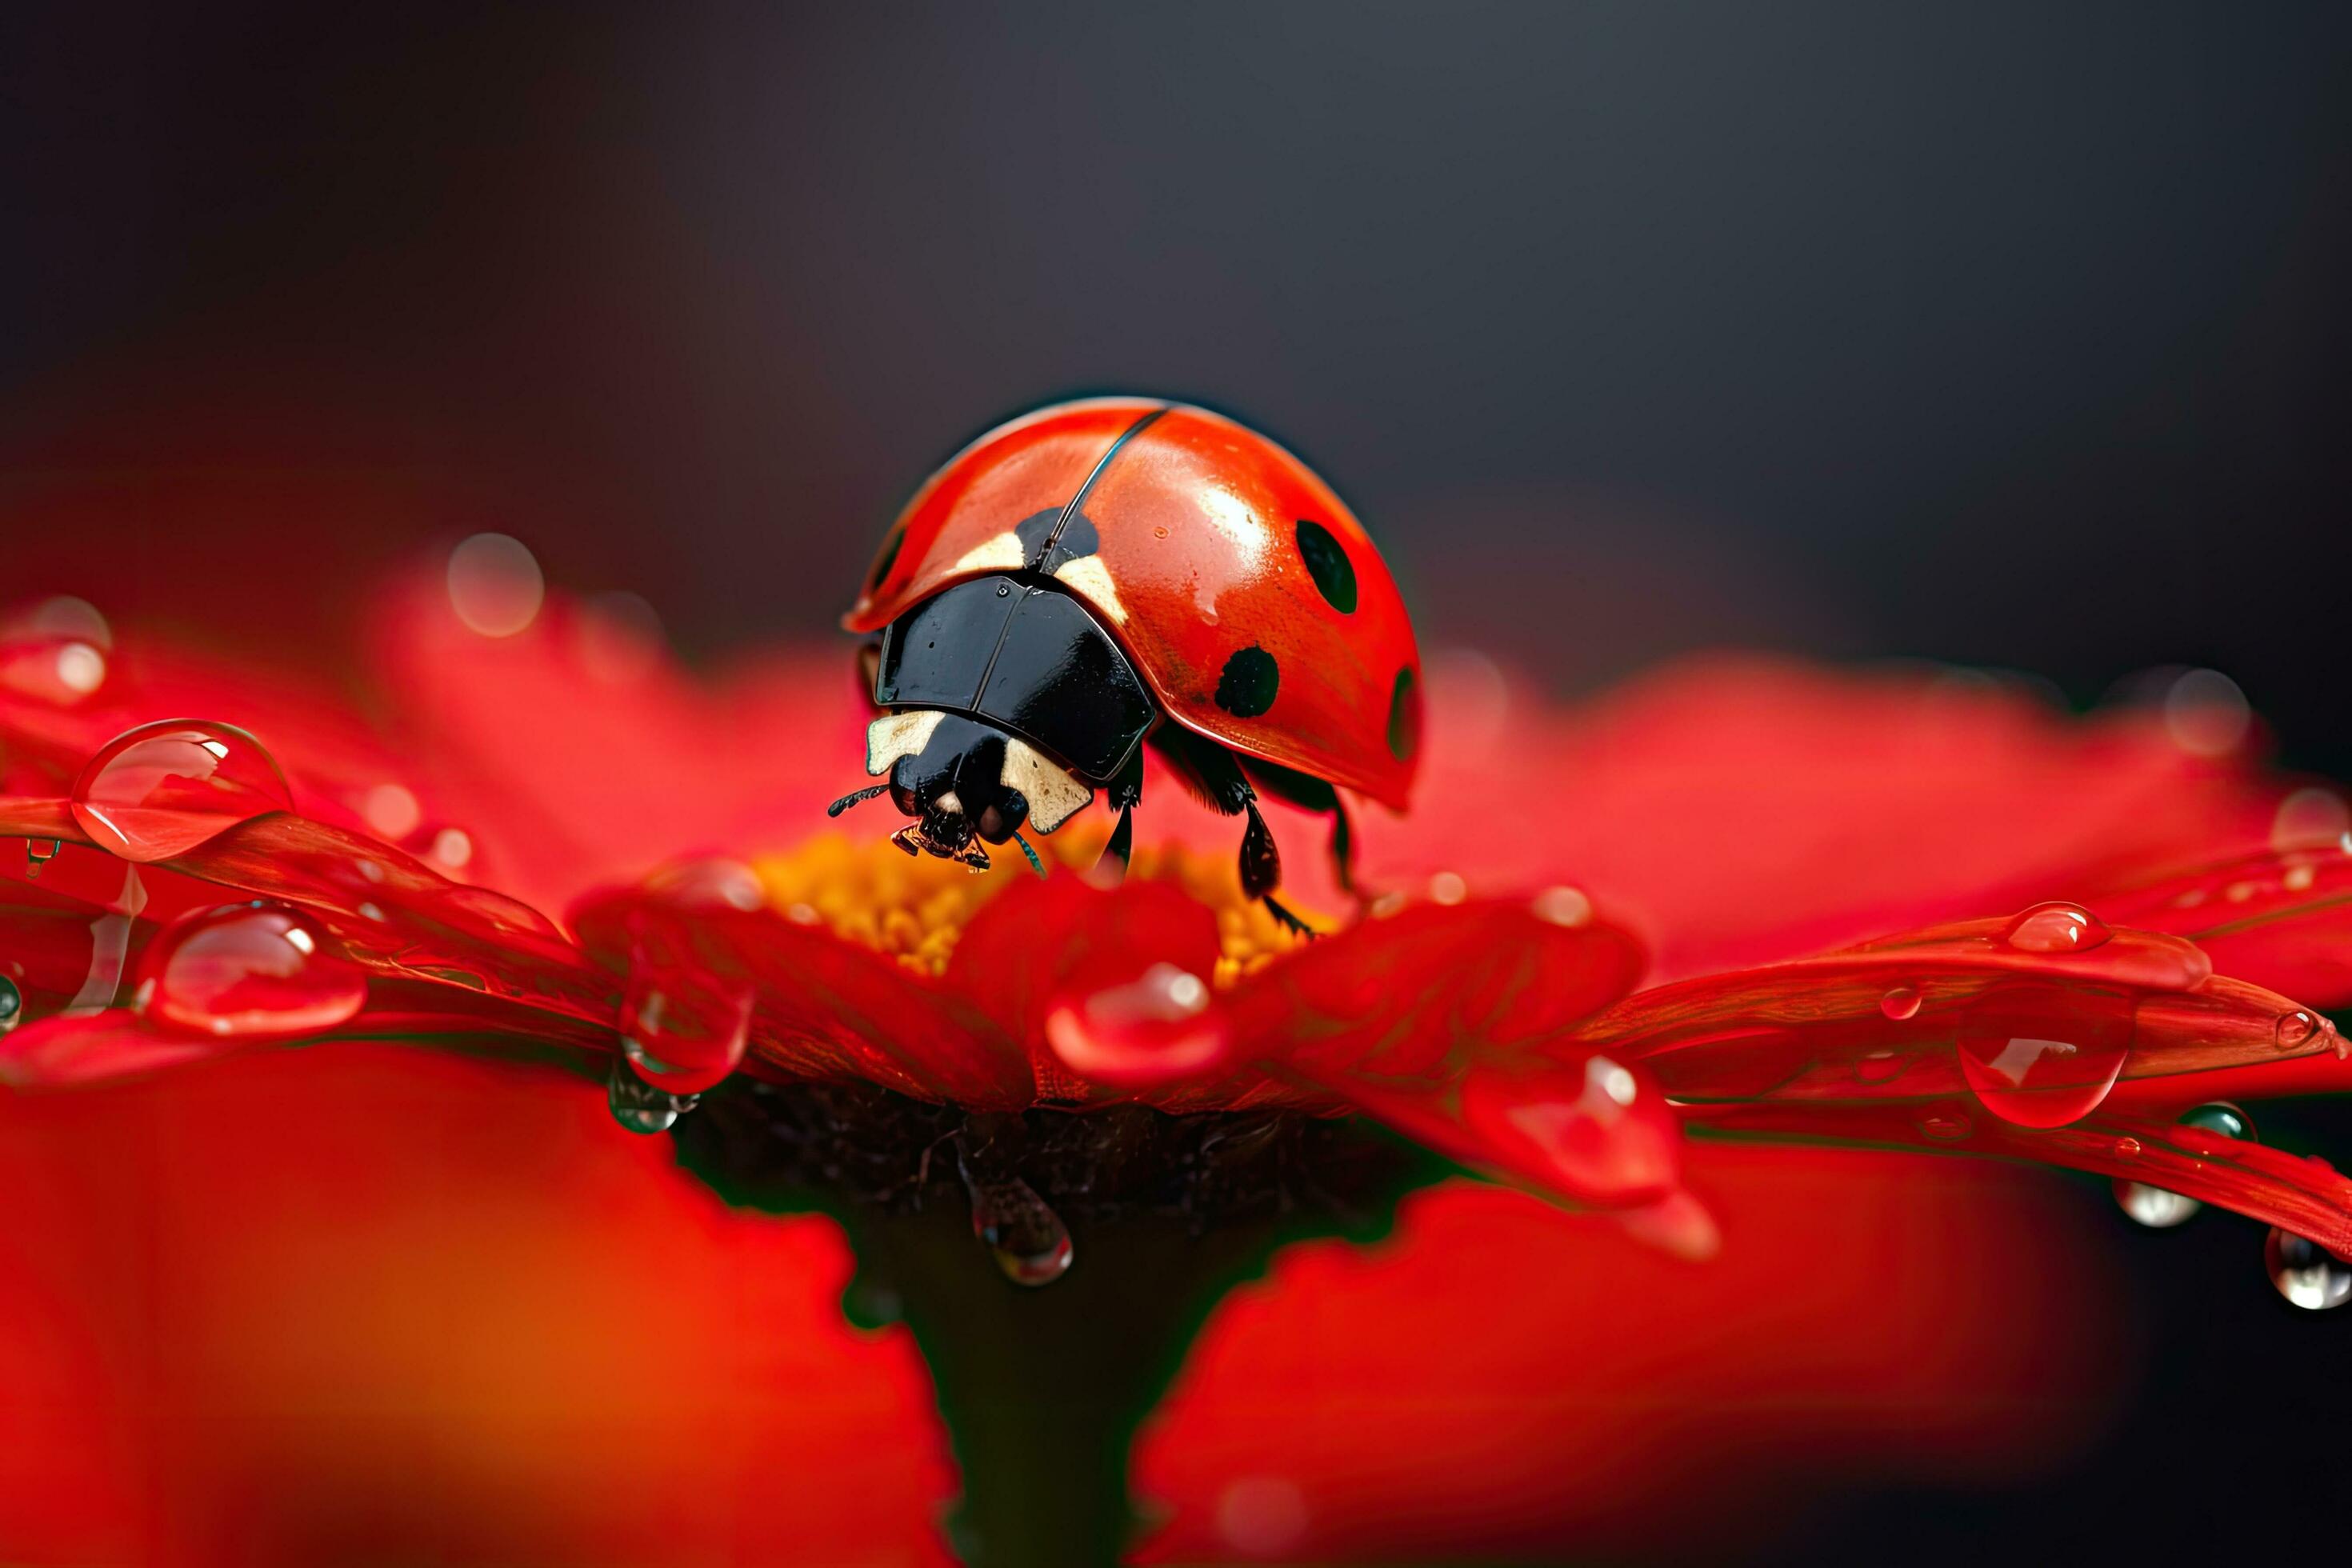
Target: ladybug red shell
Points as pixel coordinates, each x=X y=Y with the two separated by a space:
x=1210 y=568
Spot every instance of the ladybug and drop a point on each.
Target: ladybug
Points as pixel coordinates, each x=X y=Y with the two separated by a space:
x=1102 y=575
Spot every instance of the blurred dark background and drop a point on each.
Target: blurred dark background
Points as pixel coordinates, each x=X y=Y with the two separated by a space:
x=2009 y=335
x=2005 y=336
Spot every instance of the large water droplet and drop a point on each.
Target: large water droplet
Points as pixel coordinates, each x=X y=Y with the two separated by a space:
x=682 y=1030
x=161 y=789
x=249 y=971
x=2199 y=1131
x=2221 y=1116
x=2056 y=928
x=2153 y=1206
x=2294 y=1029
x=1901 y=1003
x=1021 y=1231
x=638 y=1105
x=2041 y=1056
x=1154 y=1028
x=2306 y=1273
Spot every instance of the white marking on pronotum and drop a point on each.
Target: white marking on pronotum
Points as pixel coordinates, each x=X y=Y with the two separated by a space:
x=1090 y=579
x=1053 y=793
x=896 y=735
x=1000 y=553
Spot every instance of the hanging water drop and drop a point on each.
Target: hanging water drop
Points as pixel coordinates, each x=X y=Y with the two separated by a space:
x=36 y=856
x=1021 y=1231
x=681 y=1029
x=247 y=971
x=638 y=1105
x=2043 y=1056
x=2056 y=928
x=2306 y=1273
x=12 y=1004
x=2221 y=1116
x=2154 y=1206
x=161 y=789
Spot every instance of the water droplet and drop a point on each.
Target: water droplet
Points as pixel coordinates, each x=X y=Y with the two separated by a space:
x=1878 y=1067
x=12 y=1004
x=1563 y=907
x=1003 y=591
x=1021 y=1231
x=2221 y=1116
x=495 y=585
x=2056 y=928
x=2308 y=818
x=2294 y=1029
x=248 y=971
x=683 y=1031
x=1160 y=531
x=637 y=1105
x=2154 y=1206
x=2206 y=713
x=715 y=883
x=1446 y=888
x=36 y=856
x=1946 y=1125
x=1901 y=1003
x=2306 y=1273
x=2041 y=1055
x=161 y=789
x=2127 y=1148
x=1152 y=1029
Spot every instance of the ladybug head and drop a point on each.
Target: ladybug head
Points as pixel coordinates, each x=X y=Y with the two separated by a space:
x=966 y=784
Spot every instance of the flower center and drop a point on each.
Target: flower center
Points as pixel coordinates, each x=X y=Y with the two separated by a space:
x=915 y=907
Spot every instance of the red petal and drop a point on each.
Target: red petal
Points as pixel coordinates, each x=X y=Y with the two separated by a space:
x=2281 y=918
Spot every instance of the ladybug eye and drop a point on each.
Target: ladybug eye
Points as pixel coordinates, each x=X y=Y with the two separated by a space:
x=1000 y=817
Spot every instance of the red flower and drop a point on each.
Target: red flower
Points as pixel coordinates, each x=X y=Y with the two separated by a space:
x=568 y=765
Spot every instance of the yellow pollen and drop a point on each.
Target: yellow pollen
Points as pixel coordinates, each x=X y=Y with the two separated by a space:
x=873 y=893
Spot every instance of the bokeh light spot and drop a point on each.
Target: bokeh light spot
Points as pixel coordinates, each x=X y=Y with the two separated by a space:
x=495 y=585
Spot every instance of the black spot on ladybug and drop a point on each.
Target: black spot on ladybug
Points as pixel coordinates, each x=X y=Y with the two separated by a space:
x=1404 y=719
x=1246 y=687
x=1327 y=564
x=1078 y=537
x=888 y=559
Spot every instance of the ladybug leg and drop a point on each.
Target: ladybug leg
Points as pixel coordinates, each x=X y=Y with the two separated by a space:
x=1343 y=848
x=1216 y=775
x=1126 y=794
x=1311 y=794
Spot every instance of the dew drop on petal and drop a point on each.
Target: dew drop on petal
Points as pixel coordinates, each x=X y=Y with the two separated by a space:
x=1563 y=907
x=1021 y=1231
x=683 y=1031
x=1154 y=1028
x=1946 y=1126
x=637 y=1105
x=161 y=789
x=495 y=585
x=1878 y=1067
x=2309 y=818
x=247 y=972
x=2306 y=1273
x=2056 y=928
x=2220 y=1116
x=2294 y=1029
x=1261 y=1516
x=1901 y=1003
x=2041 y=1055
x=2205 y=714
x=2154 y=1206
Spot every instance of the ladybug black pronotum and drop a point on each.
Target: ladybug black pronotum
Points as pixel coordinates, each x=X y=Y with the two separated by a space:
x=1104 y=573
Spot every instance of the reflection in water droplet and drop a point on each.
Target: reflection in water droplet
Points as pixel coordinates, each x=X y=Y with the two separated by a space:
x=681 y=1029
x=12 y=1004
x=638 y=1105
x=2153 y=1206
x=1946 y=1125
x=2306 y=1273
x=2043 y=1056
x=2056 y=928
x=1901 y=1003
x=2294 y=1029
x=161 y=789
x=248 y=971
x=1021 y=1231
x=2221 y=1116
x=1878 y=1067
x=1156 y=1027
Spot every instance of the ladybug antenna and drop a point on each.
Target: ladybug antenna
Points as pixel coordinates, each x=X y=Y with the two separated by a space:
x=1036 y=864
x=856 y=797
